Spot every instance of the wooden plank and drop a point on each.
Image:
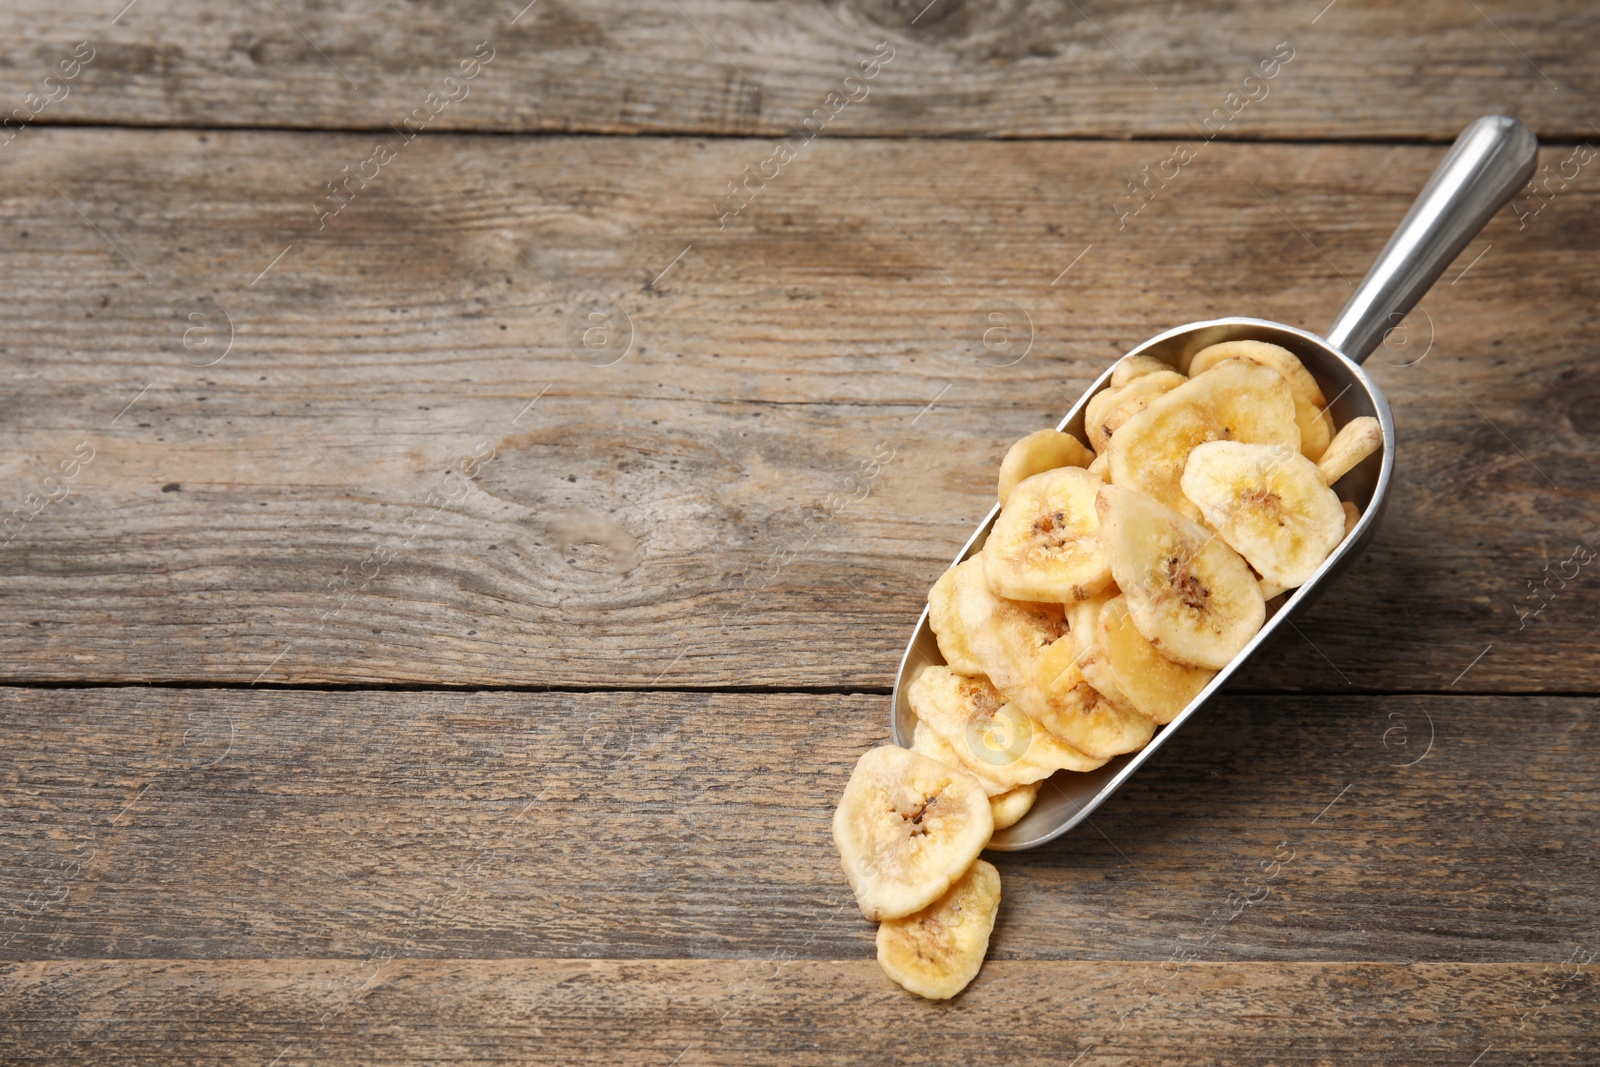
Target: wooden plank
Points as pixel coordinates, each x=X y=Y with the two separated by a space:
x=145 y=823
x=792 y=1012
x=298 y=512
x=745 y=67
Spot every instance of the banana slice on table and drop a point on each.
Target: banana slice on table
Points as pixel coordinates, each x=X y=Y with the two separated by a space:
x=944 y=618
x=1235 y=400
x=1042 y=546
x=1156 y=686
x=1190 y=595
x=1310 y=406
x=940 y=949
x=1109 y=409
x=926 y=742
x=906 y=828
x=989 y=735
x=1271 y=505
x=1130 y=367
x=1013 y=804
x=1355 y=441
x=1040 y=451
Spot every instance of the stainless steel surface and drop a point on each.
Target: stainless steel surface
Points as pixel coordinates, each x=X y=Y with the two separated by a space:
x=1477 y=171
x=1490 y=161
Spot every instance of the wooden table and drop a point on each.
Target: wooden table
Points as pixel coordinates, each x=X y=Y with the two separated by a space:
x=475 y=471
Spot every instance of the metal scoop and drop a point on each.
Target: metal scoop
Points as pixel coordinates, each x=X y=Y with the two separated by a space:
x=1491 y=160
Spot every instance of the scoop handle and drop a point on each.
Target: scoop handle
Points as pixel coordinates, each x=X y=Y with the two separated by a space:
x=1492 y=159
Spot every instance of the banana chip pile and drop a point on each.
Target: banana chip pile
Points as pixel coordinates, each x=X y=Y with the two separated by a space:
x=1115 y=583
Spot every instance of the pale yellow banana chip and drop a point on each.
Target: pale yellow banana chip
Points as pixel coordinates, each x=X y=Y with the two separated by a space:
x=1190 y=595
x=944 y=617
x=938 y=951
x=1157 y=686
x=988 y=735
x=1352 y=515
x=925 y=741
x=1130 y=367
x=1269 y=503
x=1006 y=636
x=907 y=827
x=1267 y=354
x=1109 y=409
x=1077 y=713
x=1040 y=451
x=1355 y=441
x=1042 y=546
x=1233 y=401
x=1013 y=804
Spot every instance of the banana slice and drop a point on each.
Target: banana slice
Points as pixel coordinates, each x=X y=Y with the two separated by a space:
x=1269 y=503
x=1355 y=441
x=1101 y=467
x=906 y=828
x=1089 y=652
x=926 y=742
x=1079 y=714
x=1190 y=595
x=1235 y=400
x=1130 y=367
x=937 y=951
x=1352 y=515
x=989 y=736
x=1043 y=545
x=1155 y=685
x=1277 y=357
x=1012 y=805
x=944 y=617
x=1040 y=451
x=1006 y=636
x=1310 y=407
x=1109 y=409
x=1271 y=589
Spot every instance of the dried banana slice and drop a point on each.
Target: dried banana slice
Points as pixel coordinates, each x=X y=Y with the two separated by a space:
x=1190 y=595
x=1310 y=406
x=988 y=735
x=1155 y=685
x=1078 y=713
x=1355 y=441
x=944 y=617
x=1130 y=367
x=1352 y=515
x=1277 y=357
x=906 y=828
x=1006 y=636
x=925 y=741
x=1040 y=451
x=1043 y=545
x=1109 y=409
x=1233 y=401
x=1101 y=467
x=938 y=951
x=1269 y=503
x=1088 y=651
x=1013 y=804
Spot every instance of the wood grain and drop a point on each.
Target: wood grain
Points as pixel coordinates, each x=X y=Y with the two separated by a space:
x=1021 y=68
x=793 y=1012
x=201 y=824
x=298 y=511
